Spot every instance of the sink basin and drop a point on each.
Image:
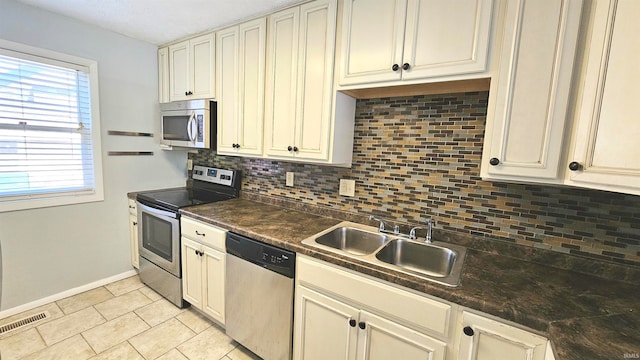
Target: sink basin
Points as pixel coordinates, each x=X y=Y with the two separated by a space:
x=418 y=257
x=439 y=262
x=352 y=240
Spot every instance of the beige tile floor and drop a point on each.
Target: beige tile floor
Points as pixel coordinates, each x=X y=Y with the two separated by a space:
x=121 y=320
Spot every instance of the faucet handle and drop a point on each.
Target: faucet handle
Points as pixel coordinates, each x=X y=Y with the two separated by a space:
x=412 y=232
x=430 y=222
x=381 y=227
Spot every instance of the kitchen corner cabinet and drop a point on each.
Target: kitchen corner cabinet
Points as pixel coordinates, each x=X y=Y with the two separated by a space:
x=203 y=267
x=305 y=118
x=340 y=315
x=240 y=87
x=133 y=233
x=606 y=151
x=529 y=98
x=163 y=75
x=392 y=40
x=486 y=339
x=191 y=69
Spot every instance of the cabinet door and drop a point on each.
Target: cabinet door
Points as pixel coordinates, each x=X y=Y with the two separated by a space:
x=213 y=283
x=227 y=89
x=191 y=272
x=282 y=70
x=315 y=79
x=202 y=76
x=486 y=339
x=607 y=129
x=382 y=339
x=163 y=75
x=524 y=137
x=133 y=238
x=322 y=327
x=446 y=37
x=179 y=70
x=372 y=40
x=252 y=42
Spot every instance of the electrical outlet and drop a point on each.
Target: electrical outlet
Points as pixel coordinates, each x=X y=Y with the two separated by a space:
x=189 y=164
x=289 y=181
x=347 y=187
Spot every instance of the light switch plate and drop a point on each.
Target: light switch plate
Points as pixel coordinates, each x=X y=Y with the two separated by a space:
x=289 y=181
x=347 y=187
x=189 y=164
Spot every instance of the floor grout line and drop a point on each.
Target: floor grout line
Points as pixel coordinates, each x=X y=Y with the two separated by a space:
x=201 y=322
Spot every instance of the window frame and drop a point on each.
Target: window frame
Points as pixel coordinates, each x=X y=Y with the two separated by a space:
x=61 y=198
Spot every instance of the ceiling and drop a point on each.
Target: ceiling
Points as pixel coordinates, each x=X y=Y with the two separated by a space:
x=160 y=21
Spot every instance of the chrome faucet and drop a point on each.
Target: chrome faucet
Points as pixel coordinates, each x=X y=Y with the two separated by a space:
x=430 y=223
x=412 y=233
x=396 y=228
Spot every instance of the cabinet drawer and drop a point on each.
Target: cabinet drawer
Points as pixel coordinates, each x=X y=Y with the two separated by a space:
x=205 y=234
x=403 y=306
x=133 y=208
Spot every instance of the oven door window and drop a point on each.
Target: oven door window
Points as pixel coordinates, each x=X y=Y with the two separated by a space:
x=157 y=236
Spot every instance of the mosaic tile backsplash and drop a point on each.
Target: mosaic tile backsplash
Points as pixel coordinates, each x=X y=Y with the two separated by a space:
x=419 y=156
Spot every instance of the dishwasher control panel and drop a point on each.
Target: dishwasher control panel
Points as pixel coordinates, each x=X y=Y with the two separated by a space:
x=264 y=255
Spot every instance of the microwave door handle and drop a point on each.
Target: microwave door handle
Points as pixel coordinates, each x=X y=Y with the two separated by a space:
x=191 y=127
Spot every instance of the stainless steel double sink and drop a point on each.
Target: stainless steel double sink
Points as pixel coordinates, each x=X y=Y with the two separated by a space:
x=437 y=262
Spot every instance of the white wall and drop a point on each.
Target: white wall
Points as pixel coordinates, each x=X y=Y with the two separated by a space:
x=50 y=250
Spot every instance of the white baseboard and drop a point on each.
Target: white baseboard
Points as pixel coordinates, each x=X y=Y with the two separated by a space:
x=67 y=293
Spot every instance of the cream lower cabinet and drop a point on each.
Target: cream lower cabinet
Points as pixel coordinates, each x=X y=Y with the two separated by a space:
x=203 y=267
x=340 y=315
x=606 y=151
x=133 y=233
x=240 y=87
x=529 y=98
x=305 y=118
x=330 y=329
x=485 y=339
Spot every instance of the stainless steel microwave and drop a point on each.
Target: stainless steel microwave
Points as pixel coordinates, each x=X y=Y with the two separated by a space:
x=189 y=123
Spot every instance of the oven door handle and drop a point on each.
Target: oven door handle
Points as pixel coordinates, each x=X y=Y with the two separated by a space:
x=155 y=211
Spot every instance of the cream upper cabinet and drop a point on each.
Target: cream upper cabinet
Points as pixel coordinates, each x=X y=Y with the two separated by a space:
x=485 y=339
x=391 y=40
x=305 y=118
x=528 y=105
x=240 y=87
x=191 y=69
x=163 y=75
x=606 y=152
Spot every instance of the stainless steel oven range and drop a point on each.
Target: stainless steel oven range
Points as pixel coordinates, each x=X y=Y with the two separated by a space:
x=159 y=226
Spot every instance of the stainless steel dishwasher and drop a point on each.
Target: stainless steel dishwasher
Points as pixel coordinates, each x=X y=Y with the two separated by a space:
x=259 y=296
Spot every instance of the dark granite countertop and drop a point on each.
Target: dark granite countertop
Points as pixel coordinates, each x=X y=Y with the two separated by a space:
x=584 y=316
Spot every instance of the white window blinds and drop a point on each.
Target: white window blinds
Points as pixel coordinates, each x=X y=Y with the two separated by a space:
x=45 y=129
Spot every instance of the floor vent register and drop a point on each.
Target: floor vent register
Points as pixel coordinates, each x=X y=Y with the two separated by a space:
x=15 y=325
